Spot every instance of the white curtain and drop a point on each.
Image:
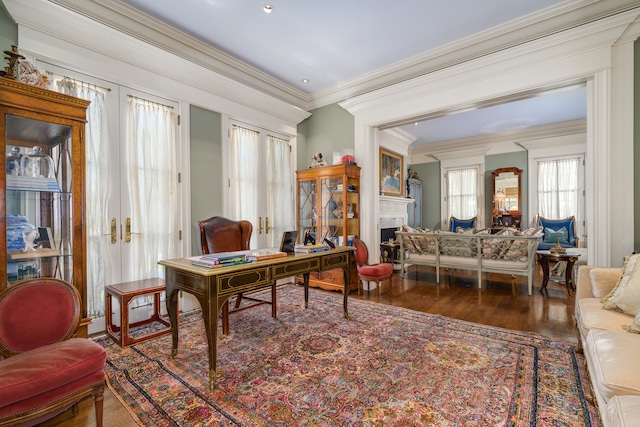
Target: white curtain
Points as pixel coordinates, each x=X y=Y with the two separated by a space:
x=152 y=178
x=244 y=175
x=462 y=188
x=97 y=166
x=281 y=204
x=558 y=188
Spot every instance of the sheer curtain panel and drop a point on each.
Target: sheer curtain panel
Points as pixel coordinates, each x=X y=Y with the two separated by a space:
x=98 y=164
x=558 y=188
x=462 y=189
x=153 y=185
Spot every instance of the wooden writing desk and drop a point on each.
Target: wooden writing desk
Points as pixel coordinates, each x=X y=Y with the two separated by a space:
x=214 y=286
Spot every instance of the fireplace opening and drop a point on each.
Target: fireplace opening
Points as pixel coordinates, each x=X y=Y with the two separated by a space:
x=387 y=233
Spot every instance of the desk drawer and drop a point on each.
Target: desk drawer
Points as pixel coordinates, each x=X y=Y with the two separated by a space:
x=192 y=283
x=295 y=267
x=232 y=283
x=335 y=261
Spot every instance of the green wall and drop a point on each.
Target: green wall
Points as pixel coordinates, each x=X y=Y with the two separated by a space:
x=206 y=168
x=636 y=144
x=8 y=31
x=429 y=173
x=328 y=129
x=519 y=160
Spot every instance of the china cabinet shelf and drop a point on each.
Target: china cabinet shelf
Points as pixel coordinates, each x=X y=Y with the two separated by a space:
x=38 y=253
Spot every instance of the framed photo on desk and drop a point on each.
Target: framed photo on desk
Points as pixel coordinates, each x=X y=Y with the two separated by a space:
x=288 y=243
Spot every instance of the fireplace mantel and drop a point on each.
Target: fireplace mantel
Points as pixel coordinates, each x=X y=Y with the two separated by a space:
x=392 y=211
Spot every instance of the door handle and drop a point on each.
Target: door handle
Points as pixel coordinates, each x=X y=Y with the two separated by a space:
x=267 y=225
x=127 y=230
x=260 y=225
x=113 y=233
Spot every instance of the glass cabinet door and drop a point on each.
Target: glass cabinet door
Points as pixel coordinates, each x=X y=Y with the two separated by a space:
x=307 y=211
x=332 y=208
x=39 y=201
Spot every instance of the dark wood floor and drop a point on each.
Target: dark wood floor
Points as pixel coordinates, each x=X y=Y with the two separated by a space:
x=502 y=302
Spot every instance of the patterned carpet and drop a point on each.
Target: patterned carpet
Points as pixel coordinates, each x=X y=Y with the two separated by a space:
x=387 y=366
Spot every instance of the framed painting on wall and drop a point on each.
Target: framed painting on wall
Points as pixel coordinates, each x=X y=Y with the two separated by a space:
x=391 y=173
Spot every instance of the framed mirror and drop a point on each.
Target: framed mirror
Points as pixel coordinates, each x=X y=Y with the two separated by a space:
x=507 y=197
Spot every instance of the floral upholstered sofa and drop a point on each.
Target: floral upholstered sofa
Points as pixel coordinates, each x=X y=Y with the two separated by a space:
x=607 y=313
x=509 y=252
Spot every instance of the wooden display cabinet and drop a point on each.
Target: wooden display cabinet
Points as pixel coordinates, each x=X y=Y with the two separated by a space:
x=35 y=204
x=328 y=201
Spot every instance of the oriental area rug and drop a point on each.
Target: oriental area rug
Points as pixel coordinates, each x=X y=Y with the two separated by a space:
x=387 y=366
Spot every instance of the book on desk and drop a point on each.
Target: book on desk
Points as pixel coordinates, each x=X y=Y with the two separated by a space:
x=307 y=249
x=220 y=259
x=265 y=254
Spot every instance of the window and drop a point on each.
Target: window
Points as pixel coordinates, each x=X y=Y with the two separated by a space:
x=462 y=193
x=261 y=184
x=559 y=187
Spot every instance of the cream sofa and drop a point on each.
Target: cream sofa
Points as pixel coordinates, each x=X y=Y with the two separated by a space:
x=612 y=353
x=510 y=253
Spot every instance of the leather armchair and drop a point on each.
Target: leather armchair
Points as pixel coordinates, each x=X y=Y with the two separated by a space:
x=220 y=234
x=44 y=370
x=554 y=229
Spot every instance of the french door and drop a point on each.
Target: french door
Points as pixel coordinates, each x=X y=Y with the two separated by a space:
x=133 y=196
x=261 y=183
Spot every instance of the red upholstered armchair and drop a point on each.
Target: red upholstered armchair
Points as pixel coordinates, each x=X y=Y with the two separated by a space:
x=44 y=371
x=373 y=272
x=219 y=234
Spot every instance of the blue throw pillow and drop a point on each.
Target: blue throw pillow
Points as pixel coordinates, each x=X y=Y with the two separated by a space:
x=552 y=236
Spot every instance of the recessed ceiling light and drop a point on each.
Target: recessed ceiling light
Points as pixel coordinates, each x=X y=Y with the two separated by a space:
x=305 y=80
x=267 y=8
x=416 y=124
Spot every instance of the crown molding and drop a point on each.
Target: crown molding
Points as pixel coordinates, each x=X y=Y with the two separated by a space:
x=55 y=33
x=400 y=134
x=499 y=143
x=384 y=107
x=126 y=19
x=566 y=15
x=549 y=21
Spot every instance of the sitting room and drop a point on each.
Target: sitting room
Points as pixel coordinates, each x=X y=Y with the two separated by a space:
x=278 y=214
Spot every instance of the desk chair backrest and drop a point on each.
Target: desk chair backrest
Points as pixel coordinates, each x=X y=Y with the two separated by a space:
x=219 y=234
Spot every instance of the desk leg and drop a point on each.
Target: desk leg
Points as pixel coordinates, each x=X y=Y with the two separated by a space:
x=172 y=311
x=210 y=317
x=305 y=279
x=346 y=271
x=544 y=263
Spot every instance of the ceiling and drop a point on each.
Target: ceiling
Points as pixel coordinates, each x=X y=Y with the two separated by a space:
x=337 y=43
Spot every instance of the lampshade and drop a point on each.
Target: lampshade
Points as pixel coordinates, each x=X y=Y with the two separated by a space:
x=499 y=196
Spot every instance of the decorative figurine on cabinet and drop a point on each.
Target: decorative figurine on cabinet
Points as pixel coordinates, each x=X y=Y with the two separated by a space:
x=317 y=161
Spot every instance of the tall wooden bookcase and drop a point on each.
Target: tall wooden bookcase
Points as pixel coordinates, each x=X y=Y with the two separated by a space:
x=328 y=201
x=41 y=129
